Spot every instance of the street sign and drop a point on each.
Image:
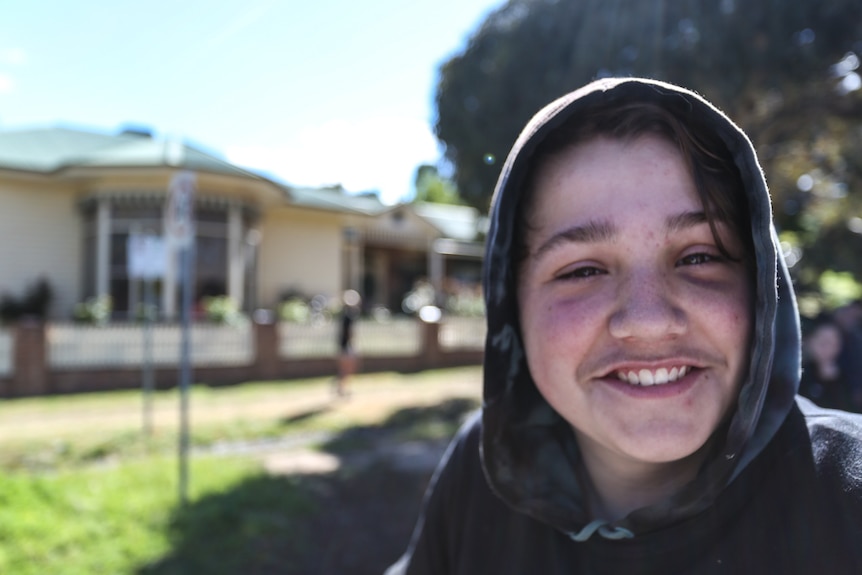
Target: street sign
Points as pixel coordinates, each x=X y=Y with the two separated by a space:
x=180 y=225
x=147 y=257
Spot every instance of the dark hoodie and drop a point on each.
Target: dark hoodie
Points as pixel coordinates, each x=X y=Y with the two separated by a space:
x=780 y=492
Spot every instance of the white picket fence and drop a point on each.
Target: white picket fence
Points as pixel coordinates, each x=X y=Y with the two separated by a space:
x=394 y=338
x=7 y=352
x=462 y=333
x=398 y=337
x=77 y=346
x=120 y=345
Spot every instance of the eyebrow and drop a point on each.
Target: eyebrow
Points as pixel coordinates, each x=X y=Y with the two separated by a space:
x=685 y=220
x=604 y=231
x=591 y=232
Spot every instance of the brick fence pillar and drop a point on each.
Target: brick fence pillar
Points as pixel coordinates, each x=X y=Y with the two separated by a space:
x=267 y=360
x=430 y=344
x=30 y=370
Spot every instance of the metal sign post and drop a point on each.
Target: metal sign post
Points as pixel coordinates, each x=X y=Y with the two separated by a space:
x=181 y=231
x=185 y=368
x=148 y=379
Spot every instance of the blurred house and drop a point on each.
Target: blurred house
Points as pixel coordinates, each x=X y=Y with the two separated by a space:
x=70 y=199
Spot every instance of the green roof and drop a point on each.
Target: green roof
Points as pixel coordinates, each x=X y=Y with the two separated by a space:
x=456 y=222
x=50 y=150
x=337 y=199
x=47 y=150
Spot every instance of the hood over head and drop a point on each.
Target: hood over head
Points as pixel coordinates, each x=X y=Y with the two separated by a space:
x=529 y=453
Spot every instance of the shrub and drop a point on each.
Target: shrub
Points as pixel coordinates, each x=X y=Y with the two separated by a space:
x=222 y=309
x=95 y=310
x=34 y=302
x=294 y=310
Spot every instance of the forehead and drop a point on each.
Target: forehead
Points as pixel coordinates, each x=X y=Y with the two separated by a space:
x=604 y=177
x=601 y=153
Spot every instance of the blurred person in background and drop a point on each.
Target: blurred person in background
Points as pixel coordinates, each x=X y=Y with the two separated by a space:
x=849 y=319
x=822 y=379
x=347 y=359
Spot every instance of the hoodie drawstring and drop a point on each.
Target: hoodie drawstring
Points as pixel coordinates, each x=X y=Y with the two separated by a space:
x=604 y=530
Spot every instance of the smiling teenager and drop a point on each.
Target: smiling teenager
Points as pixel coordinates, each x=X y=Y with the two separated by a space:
x=641 y=364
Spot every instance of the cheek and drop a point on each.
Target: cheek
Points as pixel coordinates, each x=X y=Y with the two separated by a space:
x=742 y=317
x=559 y=329
x=728 y=304
x=729 y=317
x=733 y=318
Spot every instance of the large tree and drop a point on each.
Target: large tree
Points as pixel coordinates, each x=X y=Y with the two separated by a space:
x=785 y=70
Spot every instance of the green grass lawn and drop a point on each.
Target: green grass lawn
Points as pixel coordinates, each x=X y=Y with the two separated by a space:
x=82 y=491
x=122 y=518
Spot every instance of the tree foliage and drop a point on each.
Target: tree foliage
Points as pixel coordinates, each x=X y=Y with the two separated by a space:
x=430 y=186
x=785 y=71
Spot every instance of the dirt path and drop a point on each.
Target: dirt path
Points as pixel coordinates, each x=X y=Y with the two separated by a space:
x=373 y=396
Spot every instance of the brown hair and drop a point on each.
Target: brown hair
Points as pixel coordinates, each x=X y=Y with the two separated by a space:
x=707 y=158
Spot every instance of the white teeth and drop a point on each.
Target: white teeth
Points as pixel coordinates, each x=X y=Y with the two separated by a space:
x=646 y=377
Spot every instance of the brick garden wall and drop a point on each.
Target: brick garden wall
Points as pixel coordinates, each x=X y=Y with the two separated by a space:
x=31 y=372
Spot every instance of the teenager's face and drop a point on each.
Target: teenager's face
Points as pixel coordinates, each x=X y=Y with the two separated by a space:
x=636 y=327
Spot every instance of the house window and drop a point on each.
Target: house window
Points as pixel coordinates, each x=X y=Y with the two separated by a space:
x=146 y=215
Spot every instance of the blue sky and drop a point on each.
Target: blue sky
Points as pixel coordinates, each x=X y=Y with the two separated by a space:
x=313 y=92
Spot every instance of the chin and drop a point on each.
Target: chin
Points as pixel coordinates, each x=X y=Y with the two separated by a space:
x=675 y=443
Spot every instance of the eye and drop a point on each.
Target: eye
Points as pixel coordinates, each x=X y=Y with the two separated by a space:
x=581 y=273
x=699 y=258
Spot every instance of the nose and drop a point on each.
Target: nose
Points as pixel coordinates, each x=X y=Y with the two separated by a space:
x=647 y=309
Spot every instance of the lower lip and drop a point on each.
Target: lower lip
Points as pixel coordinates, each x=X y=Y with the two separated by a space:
x=660 y=391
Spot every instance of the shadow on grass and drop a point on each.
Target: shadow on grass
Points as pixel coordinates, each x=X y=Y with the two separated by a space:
x=356 y=520
x=302 y=416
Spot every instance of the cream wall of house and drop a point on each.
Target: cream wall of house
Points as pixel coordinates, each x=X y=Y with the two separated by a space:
x=41 y=236
x=300 y=250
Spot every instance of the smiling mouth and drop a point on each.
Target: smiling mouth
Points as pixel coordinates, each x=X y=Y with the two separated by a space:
x=646 y=377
